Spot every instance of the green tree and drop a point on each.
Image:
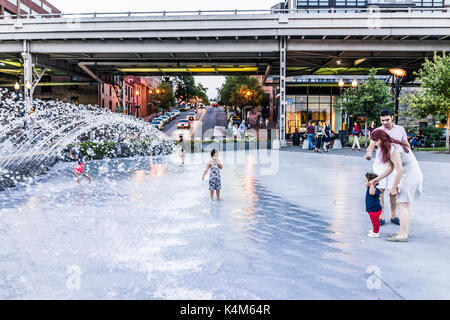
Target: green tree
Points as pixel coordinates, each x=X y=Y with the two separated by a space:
x=165 y=96
x=202 y=90
x=434 y=98
x=187 y=89
x=367 y=100
x=234 y=92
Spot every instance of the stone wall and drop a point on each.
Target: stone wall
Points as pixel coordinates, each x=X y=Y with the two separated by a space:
x=410 y=121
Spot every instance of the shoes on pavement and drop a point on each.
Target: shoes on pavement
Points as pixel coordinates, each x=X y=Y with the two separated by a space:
x=396 y=220
x=397 y=239
x=390 y=235
x=382 y=222
x=372 y=234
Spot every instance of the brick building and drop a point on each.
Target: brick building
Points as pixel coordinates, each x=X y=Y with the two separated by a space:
x=32 y=7
x=138 y=95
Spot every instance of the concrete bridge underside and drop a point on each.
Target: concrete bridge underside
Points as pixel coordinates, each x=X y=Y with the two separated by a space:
x=266 y=44
x=316 y=43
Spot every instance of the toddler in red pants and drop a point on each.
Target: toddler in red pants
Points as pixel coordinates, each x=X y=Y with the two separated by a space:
x=373 y=205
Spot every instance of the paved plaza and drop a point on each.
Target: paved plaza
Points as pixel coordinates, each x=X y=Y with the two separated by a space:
x=292 y=225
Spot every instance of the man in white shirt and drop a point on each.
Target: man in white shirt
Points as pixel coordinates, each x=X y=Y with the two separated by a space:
x=397 y=132
x=242 y=128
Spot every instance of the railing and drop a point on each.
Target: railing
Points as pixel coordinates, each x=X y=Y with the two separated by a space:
x=367 y=10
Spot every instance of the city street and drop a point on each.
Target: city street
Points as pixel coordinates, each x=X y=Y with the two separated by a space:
x=150 y=231
x=207 y=119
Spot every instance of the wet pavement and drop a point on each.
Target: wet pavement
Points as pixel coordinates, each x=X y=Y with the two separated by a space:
x=290 y=226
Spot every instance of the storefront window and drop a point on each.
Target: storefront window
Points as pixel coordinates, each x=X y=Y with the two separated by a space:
x=303 y=108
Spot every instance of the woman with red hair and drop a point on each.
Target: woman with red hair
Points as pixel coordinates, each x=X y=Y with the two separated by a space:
x=408 y=179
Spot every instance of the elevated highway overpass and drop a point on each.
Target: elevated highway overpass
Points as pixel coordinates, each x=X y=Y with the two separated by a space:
x=265 y=42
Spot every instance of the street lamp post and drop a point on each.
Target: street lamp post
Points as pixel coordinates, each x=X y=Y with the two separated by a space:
x=248 y=94
x=398 y=76
x=27 y=90
x=16 y=90
x=341 y=85
x=136 y=105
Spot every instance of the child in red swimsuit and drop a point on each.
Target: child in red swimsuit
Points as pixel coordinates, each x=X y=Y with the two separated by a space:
x=79 y=168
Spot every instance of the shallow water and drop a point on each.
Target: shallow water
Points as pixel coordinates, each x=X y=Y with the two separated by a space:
x=148 y=230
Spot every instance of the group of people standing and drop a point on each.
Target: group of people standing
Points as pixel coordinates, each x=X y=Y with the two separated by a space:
x=238 y=131
x=395 y=169
x=319 y=136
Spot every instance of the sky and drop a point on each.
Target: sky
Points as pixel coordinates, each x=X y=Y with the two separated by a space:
x=87 y=6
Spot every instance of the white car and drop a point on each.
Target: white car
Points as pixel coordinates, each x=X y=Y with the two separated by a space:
x=166 y=119
x=157 y=124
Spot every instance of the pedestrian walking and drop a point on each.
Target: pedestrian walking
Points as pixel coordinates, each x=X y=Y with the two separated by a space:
x=242 y=129
x=318 y=132
x=215 y=181
x=373 y=205
x=260 y=121
x=296 y=138
x=310 y=135
x=181 y=145
x=235 y=131
x=267 y=123
x=396 y=132
x=326 y=136
x=407 y=184
x=356 y=132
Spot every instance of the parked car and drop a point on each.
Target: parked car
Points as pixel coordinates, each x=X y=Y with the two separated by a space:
x=170 y=115
x=183 y=124
x=184 y=107
x=158 y=124
x=166 y=119
x=174 y=115
x=191 y=116
x=177 y=112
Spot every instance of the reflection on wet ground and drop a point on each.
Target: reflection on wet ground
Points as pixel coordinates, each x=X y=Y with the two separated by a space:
x=146 y=229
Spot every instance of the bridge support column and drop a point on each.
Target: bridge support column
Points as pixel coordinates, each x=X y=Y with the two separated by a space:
x=27 y=71
x=282 y=124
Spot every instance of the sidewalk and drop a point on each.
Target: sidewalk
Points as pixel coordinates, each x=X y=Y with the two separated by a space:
x=420 y=155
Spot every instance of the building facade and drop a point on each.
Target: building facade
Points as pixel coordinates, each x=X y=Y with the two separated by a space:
x=27 y=7
x=137 y=95
x=354 y=4
x=313 y=97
